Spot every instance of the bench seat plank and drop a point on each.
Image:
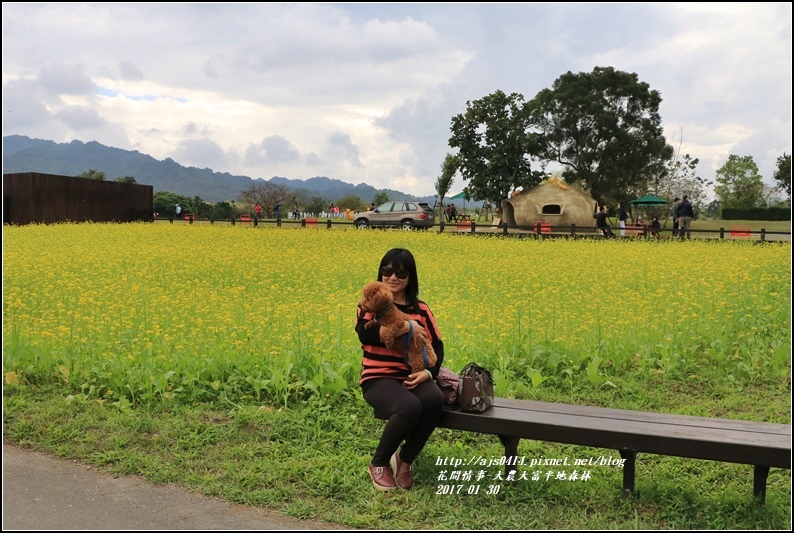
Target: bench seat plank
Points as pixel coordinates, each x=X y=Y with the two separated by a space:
x=606 y=412
x=627 y=430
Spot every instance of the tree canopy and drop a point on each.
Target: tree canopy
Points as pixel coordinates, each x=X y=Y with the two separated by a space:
x=380 y=198
x=448 y=170
x=495 y=146
x=739 y=184
x=783 y=174
x=93 y=174
x=604 y=128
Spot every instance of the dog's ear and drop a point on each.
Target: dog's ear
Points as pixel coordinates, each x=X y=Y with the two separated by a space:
x=370 y=289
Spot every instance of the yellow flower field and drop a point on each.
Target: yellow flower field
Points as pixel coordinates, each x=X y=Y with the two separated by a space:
x=139 y=312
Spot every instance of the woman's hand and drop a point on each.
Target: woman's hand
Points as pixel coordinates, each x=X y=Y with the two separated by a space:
x=415 y=379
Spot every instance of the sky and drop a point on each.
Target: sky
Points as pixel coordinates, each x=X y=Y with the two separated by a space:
x=365 y=92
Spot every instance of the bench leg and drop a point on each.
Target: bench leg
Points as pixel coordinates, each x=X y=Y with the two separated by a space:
x=760 y=473
x=511 y=454
x=629 y=457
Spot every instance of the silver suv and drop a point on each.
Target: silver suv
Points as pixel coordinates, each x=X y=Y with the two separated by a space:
x=406 y=215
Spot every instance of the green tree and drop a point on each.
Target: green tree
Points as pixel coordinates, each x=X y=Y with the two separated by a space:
x=199 y=207
x=163 y=203
x=316 y=205
x=739 y=184
x=380 y=198
x=222 y=210
x=712 y=209
x=604 y=128
x=126 y=179
x=783 y=174
x=354 y=203
x=448 y=170
x=93 y=174
x=495 y=147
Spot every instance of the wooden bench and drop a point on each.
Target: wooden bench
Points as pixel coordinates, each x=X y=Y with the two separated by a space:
x=761 y=444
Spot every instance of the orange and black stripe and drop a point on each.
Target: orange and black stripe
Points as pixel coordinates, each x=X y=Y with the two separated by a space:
x=380 y=362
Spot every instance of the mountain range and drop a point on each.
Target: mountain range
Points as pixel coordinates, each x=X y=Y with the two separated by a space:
x=23 y=154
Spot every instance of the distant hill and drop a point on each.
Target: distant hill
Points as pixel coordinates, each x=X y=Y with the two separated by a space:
x=23 y=154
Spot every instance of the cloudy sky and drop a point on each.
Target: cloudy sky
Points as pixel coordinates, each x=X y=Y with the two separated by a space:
x=365 y=92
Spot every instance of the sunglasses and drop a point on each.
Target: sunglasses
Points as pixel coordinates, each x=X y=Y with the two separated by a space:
x=387 y=272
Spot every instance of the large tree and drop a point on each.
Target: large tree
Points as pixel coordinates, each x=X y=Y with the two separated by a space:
x=783 y=174
x=266 y=194
x=448 y=170
x=495 y=146
x=380 y=198
x=163 y=202
x=739 y=184
x=352 y=202
x=604 y=128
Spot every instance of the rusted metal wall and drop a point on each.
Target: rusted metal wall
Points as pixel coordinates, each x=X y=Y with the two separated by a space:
x=30 y=197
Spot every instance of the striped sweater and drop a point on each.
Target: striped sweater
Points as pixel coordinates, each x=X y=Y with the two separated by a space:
x=379 y=361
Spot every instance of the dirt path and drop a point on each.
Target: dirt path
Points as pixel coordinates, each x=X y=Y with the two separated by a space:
x=42 y=492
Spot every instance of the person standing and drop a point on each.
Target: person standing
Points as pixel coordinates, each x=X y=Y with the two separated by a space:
x=601 y=221
x=685 y=215
x=257 y=212
x=622 y=217
x=411 y=400
x=278 y=210
x=675 y=215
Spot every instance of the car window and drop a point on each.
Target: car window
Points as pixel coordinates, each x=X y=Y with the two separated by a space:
x=410 y=207
x=385 y=208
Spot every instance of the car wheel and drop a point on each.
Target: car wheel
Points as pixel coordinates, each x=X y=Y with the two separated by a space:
x=362 y=223
x=408 y=224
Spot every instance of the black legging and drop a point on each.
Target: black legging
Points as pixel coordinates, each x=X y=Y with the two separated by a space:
x=413 y=415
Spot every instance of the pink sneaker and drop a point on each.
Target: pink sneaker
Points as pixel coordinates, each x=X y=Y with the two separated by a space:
x=402 y=471
x=381 y=477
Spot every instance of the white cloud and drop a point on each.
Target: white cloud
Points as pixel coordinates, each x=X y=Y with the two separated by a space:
x=366 y=92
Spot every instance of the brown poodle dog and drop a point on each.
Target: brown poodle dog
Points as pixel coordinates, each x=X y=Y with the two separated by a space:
x=378 y=300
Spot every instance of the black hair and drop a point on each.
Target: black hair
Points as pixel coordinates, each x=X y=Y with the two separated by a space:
x=677 y=199
x=399 y=258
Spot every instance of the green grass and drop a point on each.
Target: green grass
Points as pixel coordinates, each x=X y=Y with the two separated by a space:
x=755 y=225
x=224 y=360
x=309 y=461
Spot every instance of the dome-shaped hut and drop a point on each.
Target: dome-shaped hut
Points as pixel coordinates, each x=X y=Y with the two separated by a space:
x=552 y=202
